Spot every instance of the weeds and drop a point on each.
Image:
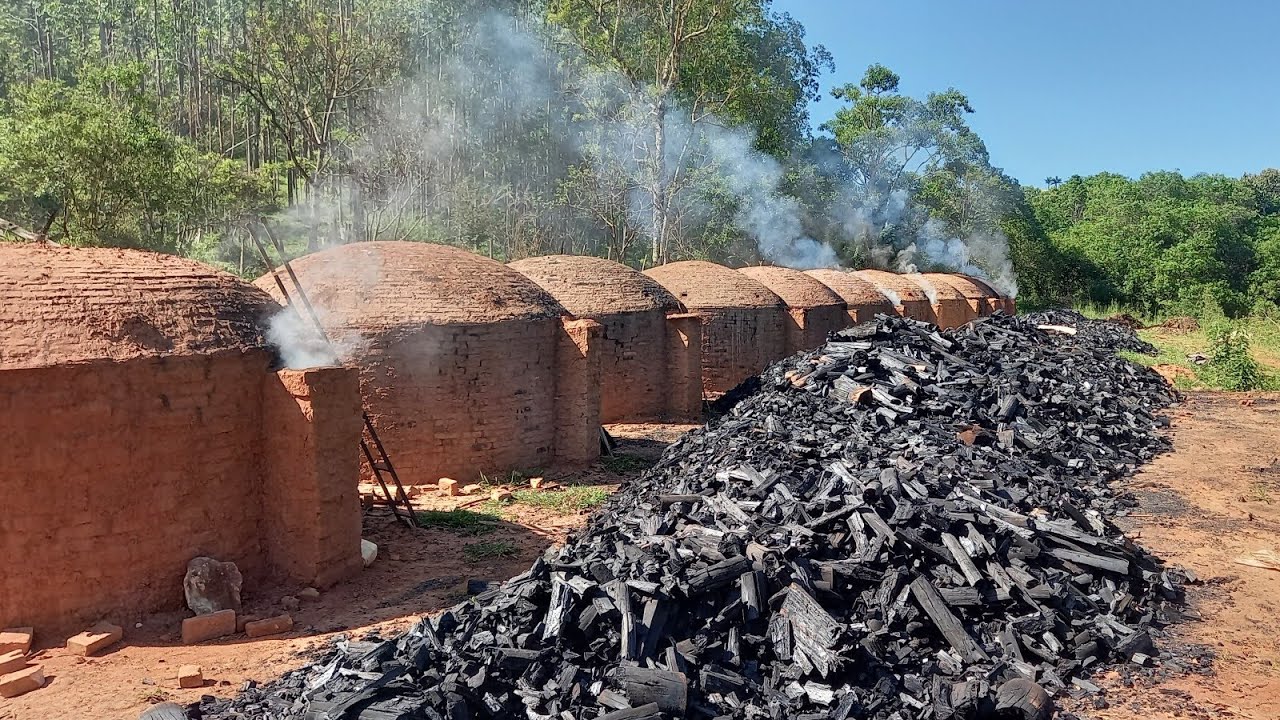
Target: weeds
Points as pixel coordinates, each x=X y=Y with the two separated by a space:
x=489 y=550
x=622 y=464
x=566 y=500
x=466 y=522
x=1259 y=492
x=1232 y=367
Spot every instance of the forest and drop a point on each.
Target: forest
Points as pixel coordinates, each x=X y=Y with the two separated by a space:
x=645 y=132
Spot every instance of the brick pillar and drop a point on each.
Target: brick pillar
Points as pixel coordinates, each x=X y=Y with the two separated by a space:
x=684 y=367
x=797 y=324
x=311 y=514
x=577 y=414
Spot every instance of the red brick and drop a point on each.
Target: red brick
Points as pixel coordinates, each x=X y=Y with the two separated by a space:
x=99 y=637
x=207 y=627
x=16 y=639
x=21 y=682
x=448 y=486
x=190 y=676
x=270 y=626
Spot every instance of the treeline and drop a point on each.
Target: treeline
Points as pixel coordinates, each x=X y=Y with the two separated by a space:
x=644 y=132
x=1162 y=244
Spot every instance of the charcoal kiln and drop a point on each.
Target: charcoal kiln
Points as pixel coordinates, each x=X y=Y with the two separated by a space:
x=862 y=298
x=142 y=386
x=466 y=366
x=650 y=347
x=743 y=322
x=950 y=307
x=813 y=309
x=908 y=298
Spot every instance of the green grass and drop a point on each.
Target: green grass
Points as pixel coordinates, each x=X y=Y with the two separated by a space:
x=624 y=463
x=566 y=501
x=466 y=522
x=489 y=550
x=1175 y=345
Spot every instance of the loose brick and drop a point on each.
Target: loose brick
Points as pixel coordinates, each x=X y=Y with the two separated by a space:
x=270 y=626
x=535 y=483
x=207 y=627
x=309 y=594
x=190 y=676
x=99 y=637
x=16 y=639
x=11 y=661
x=448 y=486
x=471 y=489
x=22 y=681
x=500 y=496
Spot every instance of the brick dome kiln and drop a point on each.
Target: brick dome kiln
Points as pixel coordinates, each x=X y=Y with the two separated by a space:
x=907 y=297
x=813 y=309
x=141 y=386
x=861 y=297
x=650 y=350
x=980 y=296
x=743 y=322
x=949 y=305
x=466 y=366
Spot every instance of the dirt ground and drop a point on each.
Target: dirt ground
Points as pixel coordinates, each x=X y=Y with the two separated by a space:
x=1214 y=499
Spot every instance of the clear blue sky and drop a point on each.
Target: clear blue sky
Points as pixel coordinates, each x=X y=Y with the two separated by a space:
x=1061 y=87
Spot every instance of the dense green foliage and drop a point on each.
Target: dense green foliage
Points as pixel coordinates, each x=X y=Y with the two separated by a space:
x=1164 y=244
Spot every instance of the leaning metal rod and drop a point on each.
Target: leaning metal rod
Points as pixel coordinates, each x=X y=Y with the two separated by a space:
x=368 y=424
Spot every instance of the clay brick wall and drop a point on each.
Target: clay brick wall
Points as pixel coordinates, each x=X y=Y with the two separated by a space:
x=457 y=400
x=311 y=514
x=633 y=366
x=577 y=400
x=738 y=343
x=807 y=328
x=684 y=367
x=116 y=474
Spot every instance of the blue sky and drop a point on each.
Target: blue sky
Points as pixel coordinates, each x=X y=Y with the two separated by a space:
x=1061 y=87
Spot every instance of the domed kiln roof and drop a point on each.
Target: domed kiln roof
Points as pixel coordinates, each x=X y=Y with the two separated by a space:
x=937 y=290
x=63 y=305
x=969 y=288
x=590 y=286
x=701 y=284
x=906 y=290
x=795 y=288
x=854 y=290
x=374 y=285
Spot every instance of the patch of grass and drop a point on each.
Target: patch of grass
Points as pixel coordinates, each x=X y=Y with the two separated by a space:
x=489 y=550
x=621 y=464
x=465 y=522
x=1258 y=492
x=1263 y=346
x=572 y=499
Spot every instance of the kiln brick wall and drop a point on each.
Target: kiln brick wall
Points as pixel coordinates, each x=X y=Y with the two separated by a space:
x=633 y=370
x=577 y=401
x=114 y=475
x=684 y=367
x=952 y=313
x=738 y=343
x=807 y=328
x=311 y=427
x=458 y=400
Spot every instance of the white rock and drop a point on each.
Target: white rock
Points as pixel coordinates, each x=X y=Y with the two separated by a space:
x=368 y=552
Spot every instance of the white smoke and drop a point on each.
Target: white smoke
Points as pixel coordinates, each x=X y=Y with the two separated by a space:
x=984 y=256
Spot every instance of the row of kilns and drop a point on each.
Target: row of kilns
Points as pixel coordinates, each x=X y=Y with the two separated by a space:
x=147 y=386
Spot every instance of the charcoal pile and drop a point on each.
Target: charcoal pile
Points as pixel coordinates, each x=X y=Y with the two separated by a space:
x=1114 y=334
x=901 y=524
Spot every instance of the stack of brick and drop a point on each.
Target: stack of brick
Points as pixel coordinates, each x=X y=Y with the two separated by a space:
x=650 y=366
x=744 y=324
x=466 y=366
x=950 y=309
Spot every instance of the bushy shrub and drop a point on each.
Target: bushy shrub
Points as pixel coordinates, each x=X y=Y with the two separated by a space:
x=1231 y=367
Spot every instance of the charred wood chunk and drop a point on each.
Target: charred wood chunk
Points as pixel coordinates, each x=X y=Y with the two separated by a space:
x=814 y=633
x=668 y=690
x=1026 y=698
x=946 y=622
